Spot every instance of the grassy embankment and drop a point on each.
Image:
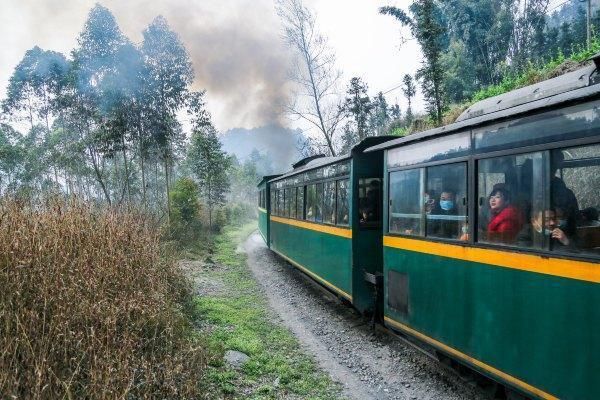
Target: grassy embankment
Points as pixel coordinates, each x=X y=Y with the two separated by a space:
x=237 y=317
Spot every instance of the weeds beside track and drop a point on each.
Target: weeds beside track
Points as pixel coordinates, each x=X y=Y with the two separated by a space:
x=237 y=317
x=91 y=307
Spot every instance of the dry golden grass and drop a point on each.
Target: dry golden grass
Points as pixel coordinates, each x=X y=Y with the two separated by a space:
x=90 y=308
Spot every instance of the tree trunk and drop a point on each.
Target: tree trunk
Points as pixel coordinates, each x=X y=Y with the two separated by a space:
x=141 y=150
x=167 y=188
x=126 y=169
x=99 y=176
x=143 y=173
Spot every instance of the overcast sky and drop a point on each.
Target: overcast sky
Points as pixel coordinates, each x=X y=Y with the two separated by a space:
x=235 y=45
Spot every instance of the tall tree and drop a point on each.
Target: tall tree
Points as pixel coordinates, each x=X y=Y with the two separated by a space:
x=429 y=33
x=93 y=89
x=314 y=72
x=409 y=90
x=357 y=106
x=209 y=164
x=380 y=115
x=459 y=75
x=35 y=84
x=168 y=73
x=483 y=28
x=529 y=20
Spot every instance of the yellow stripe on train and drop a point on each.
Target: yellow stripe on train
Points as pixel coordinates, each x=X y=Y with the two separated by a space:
x=580 y=270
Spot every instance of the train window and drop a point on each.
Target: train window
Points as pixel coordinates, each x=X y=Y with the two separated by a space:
x=572 y=220
x=280 y=198
x=511 y=192
x=329 y=202
x=406 y=197
x=272 y=203
x=442 y=148
x=445 y=201
x=300 y=203
x=319 y=203
x=369 y=200
x=288 y=202
x=550 y=126
x=293 y=201
x=311 y=202
x=343 y=193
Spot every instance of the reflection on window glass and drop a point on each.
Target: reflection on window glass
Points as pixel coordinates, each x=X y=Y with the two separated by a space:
x=575 y=188
x=442 y=148
x=280 y=198
x=343 y=193
x=369 y=201
x=319 y=203
x=567 y=123
x=329 y=202
x=406 y=198
x=510 y=191
x=286 y=203
x=445 y=202
x=272 y=203
x=300 y=203
x=311 y=202
x=293 y=203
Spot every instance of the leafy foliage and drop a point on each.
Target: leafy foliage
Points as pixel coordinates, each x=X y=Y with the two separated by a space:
x=209 y=164
x=426 y=27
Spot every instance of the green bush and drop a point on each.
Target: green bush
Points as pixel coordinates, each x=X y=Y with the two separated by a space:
x=185 y=224
x=220 y=219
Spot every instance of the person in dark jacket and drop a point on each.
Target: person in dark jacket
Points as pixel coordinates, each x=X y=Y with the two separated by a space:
x=545 y=226
x=441 y=222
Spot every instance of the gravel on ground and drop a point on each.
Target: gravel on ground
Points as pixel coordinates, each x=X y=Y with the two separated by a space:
x=369 y=364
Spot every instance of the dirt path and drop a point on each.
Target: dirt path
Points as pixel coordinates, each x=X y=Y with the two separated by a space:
x=369 y=365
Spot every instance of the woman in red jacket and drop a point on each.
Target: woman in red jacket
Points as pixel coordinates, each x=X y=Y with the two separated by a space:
x=506 y=220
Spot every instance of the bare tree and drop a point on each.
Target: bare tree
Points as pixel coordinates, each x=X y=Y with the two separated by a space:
x=317 y=101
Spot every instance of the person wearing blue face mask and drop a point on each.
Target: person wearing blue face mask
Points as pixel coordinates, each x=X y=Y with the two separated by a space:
x=440 y=223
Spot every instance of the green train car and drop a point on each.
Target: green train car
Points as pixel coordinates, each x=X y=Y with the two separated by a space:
x=264 y=206
x=325 y=219
x=486 y=240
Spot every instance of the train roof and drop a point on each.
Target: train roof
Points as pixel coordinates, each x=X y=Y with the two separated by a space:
x=267 y=178
x=572 y=86
x=312 y=164
x=320 y=160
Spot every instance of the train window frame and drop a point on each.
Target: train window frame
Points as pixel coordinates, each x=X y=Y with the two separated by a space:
x=364 y=188
x=472 y=159
x=300 y=203
x=348 y=190
x=388 y=206
x=544 y=202
x=334 y=210
x=272 y=201
x=579 y=233
x=293 y=201
x=319 y=201
x=522 y=151
x=463 y=236
x=342 y=170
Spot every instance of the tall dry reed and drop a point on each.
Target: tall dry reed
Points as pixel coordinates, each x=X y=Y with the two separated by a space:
x=90 y=308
